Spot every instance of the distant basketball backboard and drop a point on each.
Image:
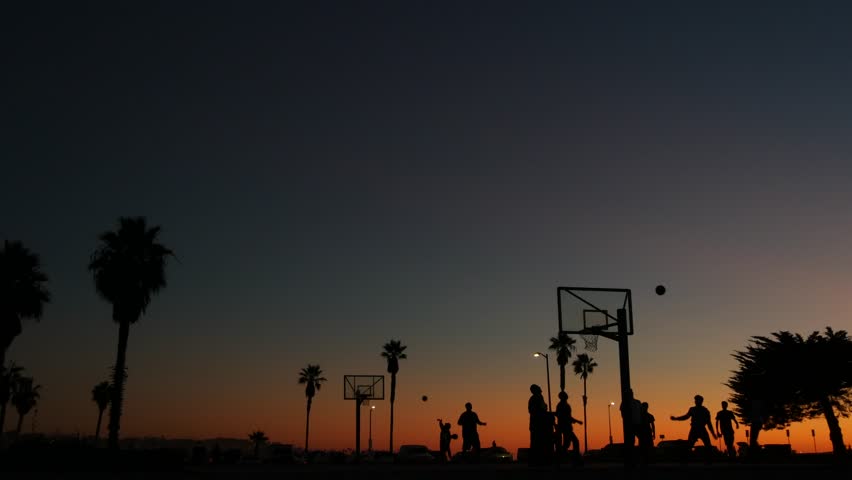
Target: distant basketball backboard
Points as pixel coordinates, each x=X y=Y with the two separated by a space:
x=363 y=387
x=585 y=310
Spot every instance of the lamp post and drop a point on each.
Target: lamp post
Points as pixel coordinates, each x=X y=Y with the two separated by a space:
x=547 y=368
x=370 y=441
x=609 y=419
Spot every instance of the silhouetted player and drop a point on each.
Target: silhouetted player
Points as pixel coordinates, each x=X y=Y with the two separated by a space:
x=724 y=427
x=444 y=440
x=468 y=421
x=565 y=428
x=646 y=431
x=541 y=428
x=699 y=425
x=631 y=411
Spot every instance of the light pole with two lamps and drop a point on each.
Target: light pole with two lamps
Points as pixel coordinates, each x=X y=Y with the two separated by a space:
x=547 y=366
x=609 y=419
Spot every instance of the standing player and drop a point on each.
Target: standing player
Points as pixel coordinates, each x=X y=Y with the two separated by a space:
x=468 y=421
x=724 y=420
x=699 y=425
x=565 y=429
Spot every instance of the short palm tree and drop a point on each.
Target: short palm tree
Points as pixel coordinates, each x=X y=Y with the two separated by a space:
x=312 y=377
x=129 y=267
x=23 y=291
x=9 y=378
x=24 y=399
x=583 y=366
x=101 y=394
x=393 y=352
x=259 y=438
x=563 y=345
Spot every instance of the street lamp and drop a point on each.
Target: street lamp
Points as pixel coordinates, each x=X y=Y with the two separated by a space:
x=547 y=367
x=370 y=442
x=609 y=419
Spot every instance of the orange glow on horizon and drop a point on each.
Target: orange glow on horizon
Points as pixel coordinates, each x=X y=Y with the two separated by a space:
x=333 y=423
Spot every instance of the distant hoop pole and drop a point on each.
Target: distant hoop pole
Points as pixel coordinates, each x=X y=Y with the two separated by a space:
x=626 y=390
x=362 y=388
x=358 y=401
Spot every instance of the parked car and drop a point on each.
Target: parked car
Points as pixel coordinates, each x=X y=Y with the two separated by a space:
x=609 y=453
x=671 y=450
x=486 y=455
x=706 y=452
x=419 y=454
x=497 y=455
x=776 y=450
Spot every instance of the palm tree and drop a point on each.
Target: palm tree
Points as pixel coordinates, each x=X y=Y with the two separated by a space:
x=393 y=351
x=23 y=293
x=312 y=377
x=128 y=268
x=258 y=438
x=563 y=345
x=8 y=382
x=101 y=394
x=24 y=399
x=583 y=366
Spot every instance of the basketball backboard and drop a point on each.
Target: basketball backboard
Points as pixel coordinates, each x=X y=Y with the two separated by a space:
x=586 y=310
x=365 y=387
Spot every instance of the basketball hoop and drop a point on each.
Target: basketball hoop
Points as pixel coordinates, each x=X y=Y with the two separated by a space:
x=591 y=341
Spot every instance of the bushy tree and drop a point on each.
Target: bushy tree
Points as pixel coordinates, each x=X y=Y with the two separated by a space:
x=785 y=378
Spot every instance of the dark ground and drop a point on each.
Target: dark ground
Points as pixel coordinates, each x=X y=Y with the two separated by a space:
x=464 y=472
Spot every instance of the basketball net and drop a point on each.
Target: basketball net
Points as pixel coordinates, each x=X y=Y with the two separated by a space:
x=591 y=341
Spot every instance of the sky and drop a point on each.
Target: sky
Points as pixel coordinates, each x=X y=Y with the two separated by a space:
x=334 y=175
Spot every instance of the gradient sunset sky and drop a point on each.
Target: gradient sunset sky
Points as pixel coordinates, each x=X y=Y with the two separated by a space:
x=333 y=175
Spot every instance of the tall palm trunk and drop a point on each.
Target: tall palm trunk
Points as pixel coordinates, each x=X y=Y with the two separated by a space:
x=3 y=384
x=20 y=424
x=585 y=421
x=98 y=428
x=308 y=423
x=2 y=421
x=118 y=377
x=392 y=400
x=11 y=325
x=561 y=377
x=834 y=431
x=3 y=410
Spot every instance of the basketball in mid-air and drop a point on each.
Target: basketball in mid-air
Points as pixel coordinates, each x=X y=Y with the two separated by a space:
x=660 y=289
x=424 y=398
